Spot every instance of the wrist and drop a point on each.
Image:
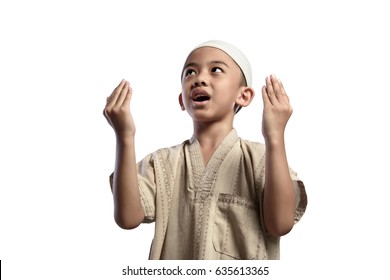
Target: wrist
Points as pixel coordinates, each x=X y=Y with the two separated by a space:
x=274 y=142
x=125 y=138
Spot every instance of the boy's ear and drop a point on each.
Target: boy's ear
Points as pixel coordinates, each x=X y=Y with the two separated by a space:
x=245 y=97
x=181 y=102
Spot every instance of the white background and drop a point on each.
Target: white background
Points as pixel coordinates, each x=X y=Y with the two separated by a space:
x=59 y=60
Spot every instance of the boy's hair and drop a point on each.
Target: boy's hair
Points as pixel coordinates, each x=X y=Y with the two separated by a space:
x=239 y=58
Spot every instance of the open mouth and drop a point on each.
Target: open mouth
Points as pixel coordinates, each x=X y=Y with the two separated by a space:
x=199 y=95
x=201 y=98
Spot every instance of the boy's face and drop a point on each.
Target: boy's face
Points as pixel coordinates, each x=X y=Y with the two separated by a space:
x=211 y=84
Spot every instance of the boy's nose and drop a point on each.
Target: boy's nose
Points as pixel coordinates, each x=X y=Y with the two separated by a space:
x=200 y=81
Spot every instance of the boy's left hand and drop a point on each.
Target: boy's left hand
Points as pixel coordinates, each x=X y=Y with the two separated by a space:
x=277 y=110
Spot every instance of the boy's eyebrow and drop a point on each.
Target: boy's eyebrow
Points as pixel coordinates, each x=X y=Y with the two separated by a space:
x=194 y=64
x=190 y=64
x=218 y=62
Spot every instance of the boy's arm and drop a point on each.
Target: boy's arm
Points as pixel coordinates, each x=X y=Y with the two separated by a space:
x=279 y=195
x=128 y=211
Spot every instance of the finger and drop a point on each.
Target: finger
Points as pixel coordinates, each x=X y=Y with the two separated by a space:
x=266 y=100
x=111 y=100
x=270 y=90
x=282 y=96
x=281 y=87
x=105 y=114
x=115 y=94
x=276 y=87
x=282 y=90
x=128 y=96
x=122 y=94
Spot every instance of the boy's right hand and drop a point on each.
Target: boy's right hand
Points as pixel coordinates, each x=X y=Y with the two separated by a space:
x=117 y=110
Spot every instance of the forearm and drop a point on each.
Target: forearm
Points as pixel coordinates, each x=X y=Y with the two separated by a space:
x=279 y=196
x=128 y=211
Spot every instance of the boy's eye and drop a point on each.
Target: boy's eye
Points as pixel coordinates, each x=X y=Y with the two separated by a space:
x=216 y=70
x=189 y=72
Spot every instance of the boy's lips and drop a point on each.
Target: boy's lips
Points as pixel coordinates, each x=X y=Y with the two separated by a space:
x=199 y=95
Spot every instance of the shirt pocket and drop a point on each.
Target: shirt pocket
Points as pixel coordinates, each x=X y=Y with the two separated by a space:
x=237 y=228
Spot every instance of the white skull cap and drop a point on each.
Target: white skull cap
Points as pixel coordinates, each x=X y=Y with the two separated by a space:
x=241 y=60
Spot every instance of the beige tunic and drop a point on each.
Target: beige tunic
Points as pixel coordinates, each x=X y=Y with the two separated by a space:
x=209 y=212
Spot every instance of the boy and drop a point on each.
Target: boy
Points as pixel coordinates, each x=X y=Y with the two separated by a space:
x=215 y=196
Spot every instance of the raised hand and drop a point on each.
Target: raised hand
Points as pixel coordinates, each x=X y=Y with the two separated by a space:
x=279 y=195
x=117 y=110
x=128 y=211
x=277 y=110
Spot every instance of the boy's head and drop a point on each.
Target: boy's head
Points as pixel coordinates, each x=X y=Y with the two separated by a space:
x=238 y=57
x=235 y=54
